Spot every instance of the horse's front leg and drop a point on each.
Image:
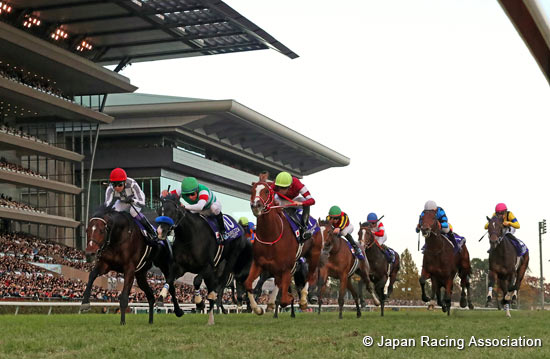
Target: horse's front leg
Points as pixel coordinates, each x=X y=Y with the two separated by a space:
x=491 y=282
x=99 y=269
x=423 y=277
x=128 y=282
x=313 y=263
x=448 y=294
x=355 y=297
x=141 y=278
x=255 y=271
x=519 y=275
x=342 y=293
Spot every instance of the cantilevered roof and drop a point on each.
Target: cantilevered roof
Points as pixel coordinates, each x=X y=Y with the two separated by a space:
x=72 y=74
x=532 y=21
x=123 y=31
x=221 y=125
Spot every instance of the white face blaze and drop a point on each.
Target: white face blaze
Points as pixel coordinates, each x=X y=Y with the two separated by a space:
x=363 y=232
x=259 y=189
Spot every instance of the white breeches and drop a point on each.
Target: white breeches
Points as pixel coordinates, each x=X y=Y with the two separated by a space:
x=382 y=239
x=214 y=209
x=125 y=207
x=347 y=230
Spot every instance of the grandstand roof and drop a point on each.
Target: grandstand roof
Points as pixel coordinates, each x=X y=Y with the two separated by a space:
x=532 y=21
x=72 y=74
x=145 y=30
x=223 y=126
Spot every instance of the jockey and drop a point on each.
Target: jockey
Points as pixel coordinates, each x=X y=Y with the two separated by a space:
x=249 y=228
x=200 y=199
x=289 y=189
x=377 y=228
x=509 y=221
x=342 y=226
x=127 y=196
x=442 y=218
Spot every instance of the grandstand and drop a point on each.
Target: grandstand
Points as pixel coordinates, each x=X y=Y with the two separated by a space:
x=53 y=89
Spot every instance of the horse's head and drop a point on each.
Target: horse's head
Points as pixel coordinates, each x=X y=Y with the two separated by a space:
x=98 y=231
x=170 y=207
x=261 y=198
x=329 y=238
x=366 y=237
x=495 y=230
x=429 y=224
x=96 y=234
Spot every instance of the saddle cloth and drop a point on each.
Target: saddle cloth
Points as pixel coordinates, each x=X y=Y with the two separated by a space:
x=358 y=256
x=311 y=225
x=520 y=247
x=232 y=228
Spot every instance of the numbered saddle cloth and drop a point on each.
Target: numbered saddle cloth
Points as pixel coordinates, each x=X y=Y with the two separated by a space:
x=232 y=228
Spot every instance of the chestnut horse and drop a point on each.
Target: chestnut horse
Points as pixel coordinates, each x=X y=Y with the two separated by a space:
x=119 y=245
x=382 y=274
x=338 y=262
x=276 y=250
x=441 y=264
x=504 y=263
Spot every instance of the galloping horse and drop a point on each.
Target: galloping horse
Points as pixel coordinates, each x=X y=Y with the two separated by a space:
x=504 y=263
x=441 y=264
x=276 y=249
x=119 y=245
x=195 y=250
x=382 y=273
x=338 y=262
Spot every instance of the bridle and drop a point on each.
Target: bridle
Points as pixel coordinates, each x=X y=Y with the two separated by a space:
x=179 y=210
x=268 y=202
x=106 y=241
x=368 y=242
x=500 y=235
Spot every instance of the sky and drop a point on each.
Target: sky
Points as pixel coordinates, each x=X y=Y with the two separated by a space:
x=429 y=99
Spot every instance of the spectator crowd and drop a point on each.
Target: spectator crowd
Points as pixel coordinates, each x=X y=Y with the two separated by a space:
x=7 y=201
x=8 y=166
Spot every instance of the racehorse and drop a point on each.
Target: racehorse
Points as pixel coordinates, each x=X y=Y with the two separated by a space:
x=276 y=249
x=382 y=273
x=119 y=245
x=441 y=264
x=504 y=263
x=195 y=250
x=337 y=261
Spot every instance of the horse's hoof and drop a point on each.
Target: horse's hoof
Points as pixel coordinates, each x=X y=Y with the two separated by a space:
x=270 y=307
x=470 y=306
x=425 y=298
x=444 y=309
x=178 y=312
x=198 y=299
x=224 y=311
x=303 y=305
x=84 y=307
x=463 y=303
x=122 y=323
x=259 y=310
x=358 y=314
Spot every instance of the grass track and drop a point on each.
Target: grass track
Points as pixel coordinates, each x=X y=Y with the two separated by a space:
x=248 y=336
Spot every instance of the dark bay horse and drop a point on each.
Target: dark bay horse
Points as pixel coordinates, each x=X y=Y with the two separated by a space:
x=119 y=245
x=276 y=249
x=195 y=250
x=382 y=274
x=338 y=262
x=441 y=264
x=504 y=263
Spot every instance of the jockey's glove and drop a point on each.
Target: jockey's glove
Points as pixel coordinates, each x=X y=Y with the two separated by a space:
x=507 y=223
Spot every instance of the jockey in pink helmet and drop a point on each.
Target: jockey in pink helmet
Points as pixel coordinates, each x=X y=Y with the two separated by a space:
x=509 y=221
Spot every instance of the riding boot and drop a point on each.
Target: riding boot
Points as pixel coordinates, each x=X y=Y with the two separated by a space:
x=221 y=229
x=305 y=233
x=151 y=232
x=356 y=248
x=452 y=238
x=388 y=253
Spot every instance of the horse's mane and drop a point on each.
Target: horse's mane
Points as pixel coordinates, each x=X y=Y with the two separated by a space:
x=103 y=210
x=172 y=197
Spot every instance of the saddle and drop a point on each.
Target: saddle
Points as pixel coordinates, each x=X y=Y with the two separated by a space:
x=356 y=255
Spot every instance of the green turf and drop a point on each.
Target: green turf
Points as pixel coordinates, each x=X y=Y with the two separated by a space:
x=249 y=336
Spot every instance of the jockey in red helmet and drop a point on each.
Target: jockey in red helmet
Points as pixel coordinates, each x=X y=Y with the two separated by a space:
x=125 y=195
